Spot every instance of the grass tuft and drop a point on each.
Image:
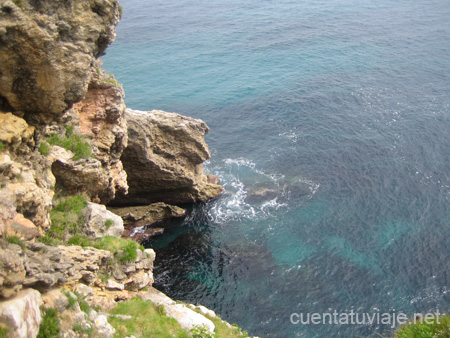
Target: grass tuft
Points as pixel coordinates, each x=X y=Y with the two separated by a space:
x=66 y=219
x=2 y=146
x=124 y=250
x=15 y=240
x=422 y=329
x=44 y=148
x=50 y=325
x=76 y=143
x=147 y=321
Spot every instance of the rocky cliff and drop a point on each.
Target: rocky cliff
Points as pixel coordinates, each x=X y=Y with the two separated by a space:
x=68 y=146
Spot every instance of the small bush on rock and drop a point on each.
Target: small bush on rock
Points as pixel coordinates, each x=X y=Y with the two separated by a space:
x=50 y=325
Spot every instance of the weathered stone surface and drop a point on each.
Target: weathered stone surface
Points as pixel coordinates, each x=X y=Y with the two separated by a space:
x=55 y=299
x=86 y=174
x=14 y=129
x=104 y=329
x=163 y=159
x=186 y=317
x=99 y=222
x=24 y=228
x=138 y=220
x=21 y=314
x=101 y=117
x=12 y=270
x=48 y=266
x=113 y=285
x=45 y=267
x=48 y=48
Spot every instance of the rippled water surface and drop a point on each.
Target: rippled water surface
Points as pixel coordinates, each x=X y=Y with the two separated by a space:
x=330 y=131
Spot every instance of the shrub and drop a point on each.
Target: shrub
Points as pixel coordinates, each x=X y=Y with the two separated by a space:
x=4 y=332
x=201 y=331
x=432 y=329
x=109 y=223
x=66 y=218
x=49 y=327
x=2 y=146
x=44 y=148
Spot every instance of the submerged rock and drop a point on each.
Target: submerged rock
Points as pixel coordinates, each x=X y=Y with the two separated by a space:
x=163 y=159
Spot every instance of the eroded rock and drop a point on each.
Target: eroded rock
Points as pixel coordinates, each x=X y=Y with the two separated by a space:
x=99 y=222
x=48 y=48
x=21 y=314
x=163 y=159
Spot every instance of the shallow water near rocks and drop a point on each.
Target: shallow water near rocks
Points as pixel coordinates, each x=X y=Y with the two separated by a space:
x=330 y=126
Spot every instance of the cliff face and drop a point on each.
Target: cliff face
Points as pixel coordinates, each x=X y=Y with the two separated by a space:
x=64 y=131
x=47 y=49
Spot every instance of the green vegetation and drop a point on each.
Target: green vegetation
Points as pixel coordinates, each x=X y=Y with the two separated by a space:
x=49 y=327
x=66 y=219
x=18 y=3
x=422 y=329
x=83 y=330
x=124 y=250
x=201 y=332
x=44 y=148
x=4 y=332
x=147 y=321
x=109 y=223
x=75 y=143
x=15 y=240
x=2 y=146
x=120 y=11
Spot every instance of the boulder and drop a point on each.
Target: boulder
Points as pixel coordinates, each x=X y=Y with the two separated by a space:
x=100 y=222
x=163 y=159
x=21 y=314
x=48 y=48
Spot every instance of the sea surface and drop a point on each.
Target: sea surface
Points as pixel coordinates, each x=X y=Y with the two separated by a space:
x=330 y=131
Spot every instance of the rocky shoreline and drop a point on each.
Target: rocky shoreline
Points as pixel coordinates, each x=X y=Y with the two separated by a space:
x=69 y=147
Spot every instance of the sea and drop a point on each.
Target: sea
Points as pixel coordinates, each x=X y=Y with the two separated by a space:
x=330 y=132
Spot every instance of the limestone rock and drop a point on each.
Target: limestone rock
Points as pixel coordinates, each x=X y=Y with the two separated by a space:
x=55 y=299
x=163 y=159
x=86 y=174
x=104 y=329
x=21 y=314
x=24 y=228
x=186 y=317
x=45 y=267
x=48 y=48
x=7 y=210
x=12 y=270
x=14 y=129
x=48 y=266
x=101 y=117
x=138 y=220
x=100 y=222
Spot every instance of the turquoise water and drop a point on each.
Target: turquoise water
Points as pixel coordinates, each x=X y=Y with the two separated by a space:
x=330 y=126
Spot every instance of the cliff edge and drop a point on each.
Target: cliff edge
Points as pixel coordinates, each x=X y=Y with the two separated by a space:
x=68 y=147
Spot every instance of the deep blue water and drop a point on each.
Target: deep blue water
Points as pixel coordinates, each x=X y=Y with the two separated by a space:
x=330 y=131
